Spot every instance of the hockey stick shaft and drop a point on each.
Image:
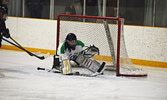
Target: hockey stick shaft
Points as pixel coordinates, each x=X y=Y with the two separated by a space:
x=20 y=46
x=15 y=42
x=37 y=53
x=31 y=54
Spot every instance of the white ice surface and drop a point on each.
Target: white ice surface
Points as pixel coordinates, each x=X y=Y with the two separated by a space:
x=23 y=82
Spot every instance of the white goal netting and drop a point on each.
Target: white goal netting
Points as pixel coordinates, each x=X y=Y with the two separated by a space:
x=106 y=33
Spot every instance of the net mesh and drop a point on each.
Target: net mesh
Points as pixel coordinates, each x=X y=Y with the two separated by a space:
x=92 y=31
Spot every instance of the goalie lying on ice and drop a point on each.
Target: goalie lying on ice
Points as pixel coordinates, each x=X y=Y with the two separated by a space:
x=75 y=50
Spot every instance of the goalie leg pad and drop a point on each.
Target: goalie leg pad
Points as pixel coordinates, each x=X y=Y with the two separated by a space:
x=102 y=68
x=90 y=64
x=66 y=67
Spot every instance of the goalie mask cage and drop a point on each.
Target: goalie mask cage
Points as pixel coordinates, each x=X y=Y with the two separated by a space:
x=106 y=33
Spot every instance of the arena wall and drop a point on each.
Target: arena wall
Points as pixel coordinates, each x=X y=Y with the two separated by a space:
x=142 y=43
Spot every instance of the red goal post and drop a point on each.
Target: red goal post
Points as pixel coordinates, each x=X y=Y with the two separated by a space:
x=108 y=33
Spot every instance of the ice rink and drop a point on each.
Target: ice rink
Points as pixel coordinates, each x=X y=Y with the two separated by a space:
x=23 y=82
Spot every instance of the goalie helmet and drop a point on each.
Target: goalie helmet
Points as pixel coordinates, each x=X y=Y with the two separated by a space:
x=71 y=37
x=71 y=40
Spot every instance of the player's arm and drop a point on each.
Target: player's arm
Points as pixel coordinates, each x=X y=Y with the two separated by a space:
x=0 y=39
x=5 y=31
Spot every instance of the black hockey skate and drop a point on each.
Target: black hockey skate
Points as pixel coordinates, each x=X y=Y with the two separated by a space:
x=56 y=64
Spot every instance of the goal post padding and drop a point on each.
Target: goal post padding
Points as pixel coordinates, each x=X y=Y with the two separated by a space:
x=106 y=33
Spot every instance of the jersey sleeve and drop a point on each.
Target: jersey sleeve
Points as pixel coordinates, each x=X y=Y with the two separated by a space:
x=62 y=49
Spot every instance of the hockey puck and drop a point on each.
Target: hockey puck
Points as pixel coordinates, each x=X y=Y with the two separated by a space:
x=77 y=73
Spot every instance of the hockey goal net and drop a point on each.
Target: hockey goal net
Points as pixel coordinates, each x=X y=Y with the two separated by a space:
x=106 y=33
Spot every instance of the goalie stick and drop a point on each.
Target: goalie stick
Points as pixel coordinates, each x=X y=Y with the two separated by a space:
x=30 y=53
x=74 y=73
x=49 y=70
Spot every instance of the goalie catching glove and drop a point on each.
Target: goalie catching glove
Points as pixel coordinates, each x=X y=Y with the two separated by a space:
x=90 y=51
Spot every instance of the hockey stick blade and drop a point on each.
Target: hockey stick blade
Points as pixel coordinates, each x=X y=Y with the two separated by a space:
x=47 y=55
x=72 y=74
x=49 y=70
x=31 y=54
x=42 y=57
x=37 y=53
